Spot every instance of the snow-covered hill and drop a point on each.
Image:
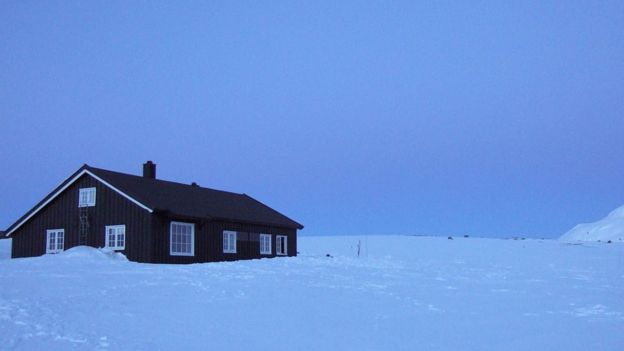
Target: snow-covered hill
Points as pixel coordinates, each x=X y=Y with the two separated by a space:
x=609 y=228
x=401 y=293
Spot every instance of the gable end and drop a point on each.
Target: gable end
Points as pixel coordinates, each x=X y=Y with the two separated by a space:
x=62 y=188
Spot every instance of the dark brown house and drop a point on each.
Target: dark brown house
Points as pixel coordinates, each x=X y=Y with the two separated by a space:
x=152 y=220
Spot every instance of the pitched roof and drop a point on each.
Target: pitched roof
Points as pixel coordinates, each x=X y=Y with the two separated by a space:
x=177 y=199
x=193 y=200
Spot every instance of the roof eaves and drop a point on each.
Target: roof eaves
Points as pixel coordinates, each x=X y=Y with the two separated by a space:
x=62 y=187
x=182 y=216
x=295 y=223
x=112 y=187
x=258 y=223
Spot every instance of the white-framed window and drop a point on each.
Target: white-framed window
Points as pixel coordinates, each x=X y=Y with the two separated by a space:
x=229 y=241
x=115 y=237
x=86 y=197
x=55 y=240
x=281 y=244
x=182 y=239
x=265 y=244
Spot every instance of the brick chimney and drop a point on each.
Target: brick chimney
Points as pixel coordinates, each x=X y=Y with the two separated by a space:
x=149 y=170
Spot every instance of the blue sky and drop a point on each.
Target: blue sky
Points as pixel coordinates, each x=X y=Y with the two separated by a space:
x=449 y=118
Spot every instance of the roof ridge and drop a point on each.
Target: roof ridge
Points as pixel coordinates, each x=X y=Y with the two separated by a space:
x=163 y=181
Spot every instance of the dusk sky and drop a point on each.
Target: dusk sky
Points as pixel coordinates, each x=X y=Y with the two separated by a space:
x=352 y=117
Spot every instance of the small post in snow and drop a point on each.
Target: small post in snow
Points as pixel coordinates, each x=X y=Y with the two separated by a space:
x=359 y=245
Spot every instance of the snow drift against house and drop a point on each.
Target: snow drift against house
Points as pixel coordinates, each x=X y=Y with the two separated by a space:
x=609 y=228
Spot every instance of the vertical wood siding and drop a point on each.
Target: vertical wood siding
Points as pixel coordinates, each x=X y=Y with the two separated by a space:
x=209 y=241
x=63 y=213
x=147 y=234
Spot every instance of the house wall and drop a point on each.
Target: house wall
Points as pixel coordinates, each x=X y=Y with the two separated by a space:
x=209 y=241
x=147 y=234
x=63 y=213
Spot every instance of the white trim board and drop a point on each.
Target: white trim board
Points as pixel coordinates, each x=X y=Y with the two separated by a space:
x=72 y=181
x=136 y=202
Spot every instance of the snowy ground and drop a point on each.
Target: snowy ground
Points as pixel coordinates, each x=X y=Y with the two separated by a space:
x=402 y=293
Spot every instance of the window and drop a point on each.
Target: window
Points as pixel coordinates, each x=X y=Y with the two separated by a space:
x=115 y=237
x=86 y=197
x=265 y=244
x=229 y=241
x=182 y=239
x=55 y=241
x=281 y=245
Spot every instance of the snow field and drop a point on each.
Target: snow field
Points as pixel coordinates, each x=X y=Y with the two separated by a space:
x=402 y=293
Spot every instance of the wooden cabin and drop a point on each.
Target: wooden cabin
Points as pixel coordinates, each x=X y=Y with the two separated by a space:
x=152 y=220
